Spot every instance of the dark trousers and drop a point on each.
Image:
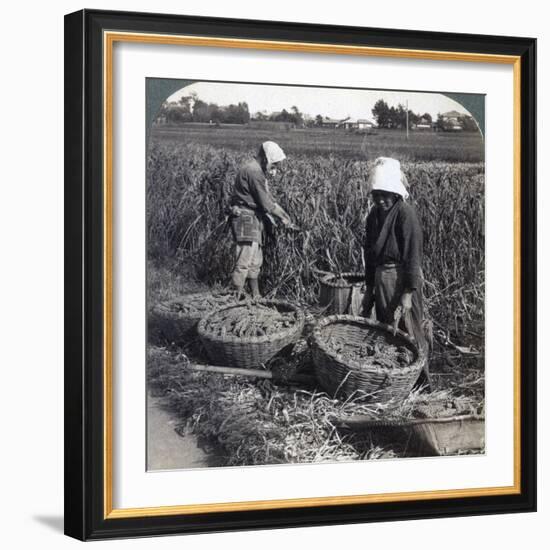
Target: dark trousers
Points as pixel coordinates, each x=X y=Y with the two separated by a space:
x=388 y=288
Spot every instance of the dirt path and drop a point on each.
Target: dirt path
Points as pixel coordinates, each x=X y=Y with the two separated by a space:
x=166 y=450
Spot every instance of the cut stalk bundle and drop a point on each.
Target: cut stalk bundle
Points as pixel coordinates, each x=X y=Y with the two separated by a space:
x=249 y=320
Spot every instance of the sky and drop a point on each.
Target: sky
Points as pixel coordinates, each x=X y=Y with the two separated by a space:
x=334 y=103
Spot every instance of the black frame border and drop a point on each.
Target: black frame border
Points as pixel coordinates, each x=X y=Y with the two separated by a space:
x=84 y=488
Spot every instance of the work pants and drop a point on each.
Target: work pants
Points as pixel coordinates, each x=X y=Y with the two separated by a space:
x=388 y=288
x=248 y=262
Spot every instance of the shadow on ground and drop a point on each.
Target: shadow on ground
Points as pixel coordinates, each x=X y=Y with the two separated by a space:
x=56 y=523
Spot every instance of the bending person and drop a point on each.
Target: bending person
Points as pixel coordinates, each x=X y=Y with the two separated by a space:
x=252 y=207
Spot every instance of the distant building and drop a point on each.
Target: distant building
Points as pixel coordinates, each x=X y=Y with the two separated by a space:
x=331 y=122
x=357 y=124
x=423 y=124
x=451 y=120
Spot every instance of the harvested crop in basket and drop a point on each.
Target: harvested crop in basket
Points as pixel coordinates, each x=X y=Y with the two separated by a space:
x=197 y=304
x=251 y=320
x=375 y=351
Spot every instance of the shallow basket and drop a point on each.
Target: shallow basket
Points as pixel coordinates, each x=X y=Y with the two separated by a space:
x=448 y=436
x=341 y=377
x=168 y=325
x=342 y=297
x=252 y=351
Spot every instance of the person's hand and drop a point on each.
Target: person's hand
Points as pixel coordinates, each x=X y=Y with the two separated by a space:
x=282 y=216
x=287 y=222
x=292 y=226
x=406 y=301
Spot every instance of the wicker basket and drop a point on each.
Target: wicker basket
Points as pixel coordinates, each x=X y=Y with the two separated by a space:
x=168 y=324
x=342 y=378
x=255 y=350
x=346 y=296
x=448 y=435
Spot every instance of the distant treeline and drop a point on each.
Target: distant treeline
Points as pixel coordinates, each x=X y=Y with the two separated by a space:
x=191 y=108
x=396 y=117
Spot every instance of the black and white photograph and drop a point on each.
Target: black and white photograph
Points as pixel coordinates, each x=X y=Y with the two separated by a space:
x=315 y=274
x=271 y=275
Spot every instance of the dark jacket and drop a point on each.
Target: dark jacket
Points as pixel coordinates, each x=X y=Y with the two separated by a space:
x=251 y=188
x=396 y=239
x=254 y=201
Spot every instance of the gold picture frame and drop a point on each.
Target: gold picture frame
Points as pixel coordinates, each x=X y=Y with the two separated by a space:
x=91 y=513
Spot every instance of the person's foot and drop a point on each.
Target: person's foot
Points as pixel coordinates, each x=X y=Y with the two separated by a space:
x=237 y=293
x=255 y=289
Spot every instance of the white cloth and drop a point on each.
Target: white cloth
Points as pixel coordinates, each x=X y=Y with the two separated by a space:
x=387 y=176
x=273 y=152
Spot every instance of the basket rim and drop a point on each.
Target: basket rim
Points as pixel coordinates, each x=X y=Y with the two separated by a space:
x=300 y=319
x=356 y=365
x=326 y=279
x=166 y=304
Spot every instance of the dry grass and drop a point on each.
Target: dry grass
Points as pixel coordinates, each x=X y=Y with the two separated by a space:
x=263 y=422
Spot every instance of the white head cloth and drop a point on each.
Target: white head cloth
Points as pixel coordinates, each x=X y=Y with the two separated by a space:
x=387 y=176
x=273 y=152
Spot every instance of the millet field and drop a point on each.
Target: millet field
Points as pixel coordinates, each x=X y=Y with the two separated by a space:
x=189 y=185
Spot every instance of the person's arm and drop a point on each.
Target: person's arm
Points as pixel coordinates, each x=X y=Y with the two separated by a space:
x=370 y=267
x=368 y=243
x=260 y=193
x=411 y=244
x=265 y=200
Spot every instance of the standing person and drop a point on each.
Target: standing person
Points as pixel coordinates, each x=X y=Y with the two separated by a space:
x=393 y=255
x=252 y=207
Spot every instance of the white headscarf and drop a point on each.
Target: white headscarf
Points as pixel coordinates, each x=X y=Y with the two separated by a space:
x=273 y=153
x=387 y=176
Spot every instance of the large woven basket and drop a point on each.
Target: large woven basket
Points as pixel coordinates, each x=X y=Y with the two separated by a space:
x=252 y=351
x=342 y=293
x=342 y=378
x=167 y=322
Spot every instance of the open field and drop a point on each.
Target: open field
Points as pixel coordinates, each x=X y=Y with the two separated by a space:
x=421 y=145
x=190 y=248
